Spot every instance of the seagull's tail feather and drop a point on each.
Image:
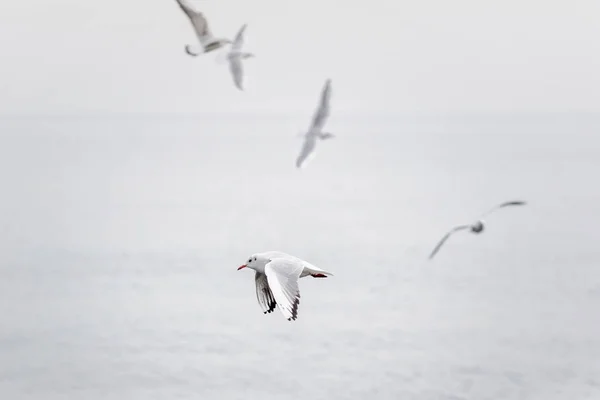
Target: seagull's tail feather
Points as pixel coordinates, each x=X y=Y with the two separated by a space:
x=319 y=273
x=326 y=135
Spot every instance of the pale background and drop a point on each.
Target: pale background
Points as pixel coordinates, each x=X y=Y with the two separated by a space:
x=70 y=56
x=135 y=179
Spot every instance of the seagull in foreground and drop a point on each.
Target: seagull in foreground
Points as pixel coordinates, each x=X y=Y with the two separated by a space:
x=276 y=278
x=205 y=37
x=476 y=227
x=235 y=57
x=315 y=130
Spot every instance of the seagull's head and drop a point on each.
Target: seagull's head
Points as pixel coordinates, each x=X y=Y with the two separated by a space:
x=193 y=51
x=477 y=227
x=256 y=262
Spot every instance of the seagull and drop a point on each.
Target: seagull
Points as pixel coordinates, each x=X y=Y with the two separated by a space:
x=476 y=227
x=235 y=57
x=315 y=130
x=205 y=36
x=276 y=278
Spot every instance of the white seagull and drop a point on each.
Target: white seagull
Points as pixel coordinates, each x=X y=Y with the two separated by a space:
x=205 y=36
x=315 y=131
x=476 y=227
x=276 y=278
x=235 y=57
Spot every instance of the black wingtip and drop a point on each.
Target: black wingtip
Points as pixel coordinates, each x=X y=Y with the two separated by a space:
x=295 y=307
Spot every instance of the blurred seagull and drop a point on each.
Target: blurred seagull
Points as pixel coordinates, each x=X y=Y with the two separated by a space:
x=205 y=37
x=476 y=227
x=235 y=57
x=315 y=130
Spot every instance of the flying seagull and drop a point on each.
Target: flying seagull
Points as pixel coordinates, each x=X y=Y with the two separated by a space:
x=235 y=57
x=205 y=37
x=315 y=131
x=476 y=227
x=276 y=277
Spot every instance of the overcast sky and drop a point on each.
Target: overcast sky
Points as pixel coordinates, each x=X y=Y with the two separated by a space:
x=72 y=56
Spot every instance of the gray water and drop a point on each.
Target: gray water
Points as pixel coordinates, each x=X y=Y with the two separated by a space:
x=120 y=238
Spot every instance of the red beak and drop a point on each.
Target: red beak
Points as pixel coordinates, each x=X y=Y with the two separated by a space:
x=241 y=266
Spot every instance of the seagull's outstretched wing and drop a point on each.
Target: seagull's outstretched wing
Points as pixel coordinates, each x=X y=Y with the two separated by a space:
x=308 y=150
x=505 y=204
x=197 y=19
x=238 y=41
x=283 y=275
x=237 y=71
x=446 y=236
x=322 y=112
x=263 y=293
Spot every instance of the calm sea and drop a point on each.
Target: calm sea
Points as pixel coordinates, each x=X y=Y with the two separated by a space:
x=120 y=237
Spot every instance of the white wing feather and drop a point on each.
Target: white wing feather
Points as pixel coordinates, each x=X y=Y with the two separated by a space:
x=198 y=21
x=323 y=110
x=282 y=275
x=446 y=236
x=237 y=71
x=502 y=205
x=265 y=297
x=238 y=42
x=307 y=151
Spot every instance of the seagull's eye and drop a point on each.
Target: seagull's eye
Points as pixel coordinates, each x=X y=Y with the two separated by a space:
x=250 y=260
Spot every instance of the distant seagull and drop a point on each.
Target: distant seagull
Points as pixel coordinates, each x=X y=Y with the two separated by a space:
x=205 y=36
x=276 y=279
x=476 y=227
x=315 y=130
x=235 y=57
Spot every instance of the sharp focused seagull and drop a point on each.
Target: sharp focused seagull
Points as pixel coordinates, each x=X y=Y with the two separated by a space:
x=276 y=279
x=205 y=36
x=315 y=131
x=476 y=227
x=235 y=57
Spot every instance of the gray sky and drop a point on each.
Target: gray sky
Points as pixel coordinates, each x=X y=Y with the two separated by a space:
x=69 y=56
